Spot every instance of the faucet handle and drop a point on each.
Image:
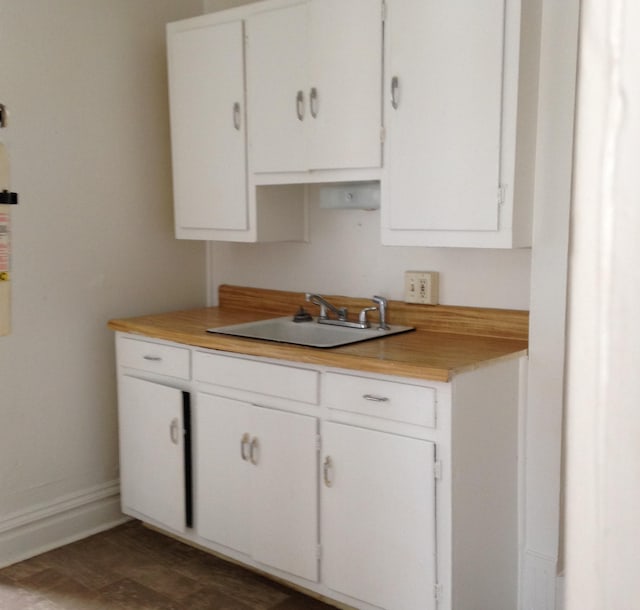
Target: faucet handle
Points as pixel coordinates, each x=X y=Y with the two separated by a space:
x=362 y=317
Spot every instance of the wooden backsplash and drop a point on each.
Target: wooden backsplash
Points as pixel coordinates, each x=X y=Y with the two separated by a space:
x=479 y=321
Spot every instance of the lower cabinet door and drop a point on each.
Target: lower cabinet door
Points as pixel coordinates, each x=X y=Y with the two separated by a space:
x=284 y=492
x=223 y=470
x=257 y=483
x=378 y=517
x=152 y=451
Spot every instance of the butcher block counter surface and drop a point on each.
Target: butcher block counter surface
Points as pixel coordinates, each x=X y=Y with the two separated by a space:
x=448 y=340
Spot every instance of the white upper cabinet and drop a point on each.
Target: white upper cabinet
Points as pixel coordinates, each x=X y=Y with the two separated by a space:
x=451 y=112
x=214 y=198
x=436 y=100
x=313 y=81
x=208 y=127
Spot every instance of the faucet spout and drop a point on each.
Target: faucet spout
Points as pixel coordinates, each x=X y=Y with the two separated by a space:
x=316 y=299
x=381 y=302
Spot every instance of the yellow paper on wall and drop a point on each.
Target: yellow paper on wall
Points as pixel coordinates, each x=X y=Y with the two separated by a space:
x=5 y=283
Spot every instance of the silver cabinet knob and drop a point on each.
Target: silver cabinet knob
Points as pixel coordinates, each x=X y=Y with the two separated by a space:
x=254 y=448
x=300 y=105
x=313 y=102
x=237 y=118
x=174 y=431
x=244 y=441
x=395 y=92
x=327 y=469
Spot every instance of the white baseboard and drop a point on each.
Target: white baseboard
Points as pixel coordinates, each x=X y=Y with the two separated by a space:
x=538 y=582
x=70 y=518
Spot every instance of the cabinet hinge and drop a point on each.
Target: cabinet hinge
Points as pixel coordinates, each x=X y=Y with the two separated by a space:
x=501 y=194
x=318 y=442
x=437 y=470
x=319 y=551
x=383 y=135
x=437 y=591
x=384 y=11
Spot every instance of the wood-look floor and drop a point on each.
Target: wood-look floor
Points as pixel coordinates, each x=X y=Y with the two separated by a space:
x=133 y=568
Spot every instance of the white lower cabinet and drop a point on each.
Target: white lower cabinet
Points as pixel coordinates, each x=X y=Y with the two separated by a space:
x=208 y=128
x=374 y=491
x=378 y=517
x=153 y=474
x=256 y=482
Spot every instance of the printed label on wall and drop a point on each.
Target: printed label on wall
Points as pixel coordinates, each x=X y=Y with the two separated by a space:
x=4 y=246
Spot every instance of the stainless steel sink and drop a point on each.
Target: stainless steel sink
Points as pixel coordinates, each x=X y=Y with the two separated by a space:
x=309 y=334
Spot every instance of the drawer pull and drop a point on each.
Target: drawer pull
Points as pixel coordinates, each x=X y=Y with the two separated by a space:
x=375 y=398
x=254 y=446
x=174 y=431
x=244 y=441
x=327 y=467
x=153 y=358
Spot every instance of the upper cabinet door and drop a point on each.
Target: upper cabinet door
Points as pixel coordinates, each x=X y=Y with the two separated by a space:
x=460 y=116
x=314 y=81
x=443 y=113
x=277 y=43
x=208 y=126
x=345 y=79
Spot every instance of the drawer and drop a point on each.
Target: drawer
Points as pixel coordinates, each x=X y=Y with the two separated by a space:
x=154 y=357
x=276 y=380
x=402 y=402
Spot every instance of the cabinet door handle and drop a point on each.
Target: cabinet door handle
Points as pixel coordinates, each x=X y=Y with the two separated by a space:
x=375 y=398
x=300 y=105
x=244 y=441
x=327 y=467
x=174 y=431
x=236 y=116
x=395 y=92
x=313 y=102
x=152 y=358
x=253 y=450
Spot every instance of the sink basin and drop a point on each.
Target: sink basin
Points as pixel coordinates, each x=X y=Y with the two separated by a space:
x=309 y=334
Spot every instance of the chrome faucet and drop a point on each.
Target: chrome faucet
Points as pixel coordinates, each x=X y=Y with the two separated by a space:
x=316 y=299
x=341 y=313
x=381 y=302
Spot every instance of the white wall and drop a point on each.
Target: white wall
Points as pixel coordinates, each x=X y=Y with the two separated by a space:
x=85 y=83
x=344 y=256
x=544 y=414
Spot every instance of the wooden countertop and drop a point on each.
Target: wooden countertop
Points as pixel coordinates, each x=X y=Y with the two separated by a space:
x=432 y=352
